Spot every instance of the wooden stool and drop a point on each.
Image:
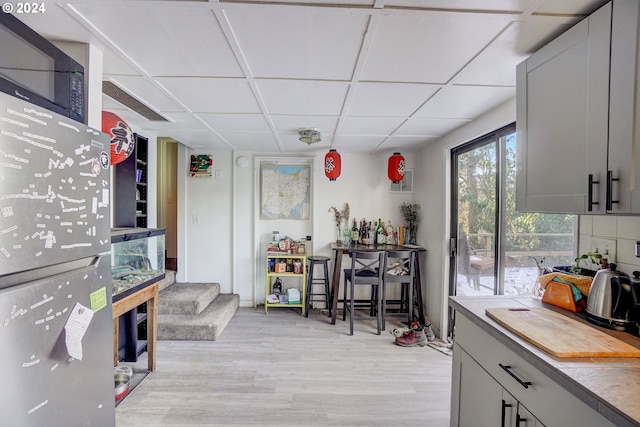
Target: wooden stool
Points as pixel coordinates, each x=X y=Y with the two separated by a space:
x=313 y=261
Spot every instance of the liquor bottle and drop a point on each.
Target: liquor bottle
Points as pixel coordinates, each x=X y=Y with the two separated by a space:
x=381 y=237
x=355 y=233
x=374 y=233
x=364 y=235
x=390 y=234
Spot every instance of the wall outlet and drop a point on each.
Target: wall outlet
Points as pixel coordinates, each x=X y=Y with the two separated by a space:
x=605 y=247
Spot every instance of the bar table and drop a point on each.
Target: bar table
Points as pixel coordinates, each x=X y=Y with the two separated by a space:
x=340 y=249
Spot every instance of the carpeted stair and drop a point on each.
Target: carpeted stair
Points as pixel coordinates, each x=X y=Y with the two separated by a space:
x=194 y=311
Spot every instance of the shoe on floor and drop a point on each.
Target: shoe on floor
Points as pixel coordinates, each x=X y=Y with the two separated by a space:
x=412 y=338
x=429 y=333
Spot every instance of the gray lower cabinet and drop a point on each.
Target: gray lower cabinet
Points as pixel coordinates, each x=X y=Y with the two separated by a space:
x=482 y=401
x=493 y=386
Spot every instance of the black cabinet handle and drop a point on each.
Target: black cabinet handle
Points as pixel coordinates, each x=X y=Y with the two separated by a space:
x=590 y=201
x=610 y=180
x=519 y=420
x=507 y=369
x=505 y=405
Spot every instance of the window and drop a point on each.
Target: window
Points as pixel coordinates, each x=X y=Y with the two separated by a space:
x=498 y=249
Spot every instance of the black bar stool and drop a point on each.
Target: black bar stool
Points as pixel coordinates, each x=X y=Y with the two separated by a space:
x=313 y=261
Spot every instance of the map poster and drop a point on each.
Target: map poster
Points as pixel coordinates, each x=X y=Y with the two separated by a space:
x=285 y=191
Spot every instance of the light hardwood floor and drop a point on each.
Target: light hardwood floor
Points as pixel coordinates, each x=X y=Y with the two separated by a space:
x=283 y=369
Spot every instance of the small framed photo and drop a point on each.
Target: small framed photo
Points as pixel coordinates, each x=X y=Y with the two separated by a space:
x=201 y=165
x=404 y=186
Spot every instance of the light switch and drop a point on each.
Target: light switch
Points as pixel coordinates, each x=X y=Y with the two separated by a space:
x=218 y=174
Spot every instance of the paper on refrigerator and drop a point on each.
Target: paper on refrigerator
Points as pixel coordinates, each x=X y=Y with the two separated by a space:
x=75 y=329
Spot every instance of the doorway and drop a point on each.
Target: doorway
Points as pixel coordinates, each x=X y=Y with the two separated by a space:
x=168 y=198
x=494 y=249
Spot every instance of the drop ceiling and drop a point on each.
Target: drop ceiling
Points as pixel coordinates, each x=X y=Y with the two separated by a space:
x=371 y=75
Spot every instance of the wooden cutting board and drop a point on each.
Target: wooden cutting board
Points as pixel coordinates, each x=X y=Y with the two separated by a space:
x=560 y=335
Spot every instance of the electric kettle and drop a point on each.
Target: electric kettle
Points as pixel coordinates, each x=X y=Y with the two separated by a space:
x=613 y=300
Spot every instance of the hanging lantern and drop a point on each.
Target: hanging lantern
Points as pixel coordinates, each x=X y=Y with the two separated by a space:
x=122 y=140
x=332 y=165
x=396 y=168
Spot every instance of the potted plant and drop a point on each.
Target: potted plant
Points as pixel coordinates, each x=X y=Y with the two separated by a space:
x=411 y=215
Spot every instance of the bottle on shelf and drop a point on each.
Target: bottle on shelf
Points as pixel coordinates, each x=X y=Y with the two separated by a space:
x=390 y=234
x=381 y=237
x=355 y=232
x=374 y=233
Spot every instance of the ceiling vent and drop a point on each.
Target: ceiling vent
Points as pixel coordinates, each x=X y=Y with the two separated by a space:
x=113 y=91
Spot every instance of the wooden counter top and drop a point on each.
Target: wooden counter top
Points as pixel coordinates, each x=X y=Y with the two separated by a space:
x=609 y=385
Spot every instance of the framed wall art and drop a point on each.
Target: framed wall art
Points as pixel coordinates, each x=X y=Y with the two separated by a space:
x=201 y=166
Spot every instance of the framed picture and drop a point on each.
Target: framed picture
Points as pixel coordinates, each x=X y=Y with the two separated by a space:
x=201 y=166
x=285 y=191
x=404 y=186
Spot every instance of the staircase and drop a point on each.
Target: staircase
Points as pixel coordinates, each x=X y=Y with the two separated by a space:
x=194 y=311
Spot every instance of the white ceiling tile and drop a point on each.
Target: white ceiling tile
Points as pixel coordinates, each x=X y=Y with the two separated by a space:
x=291 y=124
x=406 y=142
x=161 y=40
x=465 y=102
x=259 y=142
x=212 y=95
x=303 y=97
x=429 y=127
x=356 y=144
x=246 y=123
x=146 y=92
x=480 y=5
x=369 y=125
x=426 y=48
x=291 y=144
x=115 y=65
x=199 y=139
x=177 y=121
x=389 y=99
x=299 y=42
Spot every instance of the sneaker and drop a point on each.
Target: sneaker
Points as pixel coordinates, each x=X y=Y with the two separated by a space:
x=429 y=333
x=412 y=338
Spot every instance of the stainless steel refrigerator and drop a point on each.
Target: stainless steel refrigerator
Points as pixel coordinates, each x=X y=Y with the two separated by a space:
x=56 y=327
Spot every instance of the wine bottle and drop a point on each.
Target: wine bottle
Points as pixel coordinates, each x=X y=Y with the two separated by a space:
x=365 y=233
x=374 y=233
x=355 y=233
x=381 y=237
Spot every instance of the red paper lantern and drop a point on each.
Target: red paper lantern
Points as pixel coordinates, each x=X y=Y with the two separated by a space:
x=332 y=165
x=396 y=168
x=122 y=140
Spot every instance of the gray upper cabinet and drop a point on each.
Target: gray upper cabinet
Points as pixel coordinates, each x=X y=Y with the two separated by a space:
x=576 y=118
x=624 y=110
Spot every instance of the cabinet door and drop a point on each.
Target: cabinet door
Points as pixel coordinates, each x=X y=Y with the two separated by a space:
x=624 y=129
x=514 y=414
x=479 y=397
x=562 y=120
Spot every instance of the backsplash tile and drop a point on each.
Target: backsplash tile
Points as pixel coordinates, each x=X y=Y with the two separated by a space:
x=605 y=226
x=626 y=231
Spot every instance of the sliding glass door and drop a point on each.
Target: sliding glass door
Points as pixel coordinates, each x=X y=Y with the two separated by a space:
x=494 y=249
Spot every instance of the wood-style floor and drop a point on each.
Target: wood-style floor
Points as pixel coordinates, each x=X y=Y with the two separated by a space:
x=283 y=369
